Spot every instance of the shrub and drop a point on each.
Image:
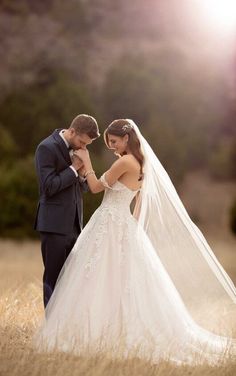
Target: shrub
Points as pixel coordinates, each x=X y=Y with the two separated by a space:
x=18 y=192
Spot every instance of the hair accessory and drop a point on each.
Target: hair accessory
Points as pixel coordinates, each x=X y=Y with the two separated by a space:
x=127 y=127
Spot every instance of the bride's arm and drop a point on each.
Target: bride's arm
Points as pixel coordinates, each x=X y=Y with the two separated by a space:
x=118 y=168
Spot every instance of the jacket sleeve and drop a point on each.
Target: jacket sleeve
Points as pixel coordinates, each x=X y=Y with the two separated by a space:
x=83 y=185
x=51 y=181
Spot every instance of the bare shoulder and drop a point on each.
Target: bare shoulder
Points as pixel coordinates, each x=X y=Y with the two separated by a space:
x=126 y=162
x=128 y=158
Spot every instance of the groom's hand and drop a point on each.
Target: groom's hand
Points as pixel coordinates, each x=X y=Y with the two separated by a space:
x=82 y=171
x=77 y=163
x=83 y=154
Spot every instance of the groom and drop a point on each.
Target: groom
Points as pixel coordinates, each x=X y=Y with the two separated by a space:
x=60 y=210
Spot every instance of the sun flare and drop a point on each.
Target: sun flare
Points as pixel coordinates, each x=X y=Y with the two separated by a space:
x=221 y=13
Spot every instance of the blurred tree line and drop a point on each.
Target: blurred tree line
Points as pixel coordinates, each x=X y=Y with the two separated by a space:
x=183 y=109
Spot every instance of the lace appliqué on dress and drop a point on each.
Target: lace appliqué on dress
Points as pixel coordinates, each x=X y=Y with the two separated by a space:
x=101 y=233
x=115 y=209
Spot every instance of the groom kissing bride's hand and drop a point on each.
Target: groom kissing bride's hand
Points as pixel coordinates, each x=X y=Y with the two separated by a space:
x=82 y=155
x=77 y=163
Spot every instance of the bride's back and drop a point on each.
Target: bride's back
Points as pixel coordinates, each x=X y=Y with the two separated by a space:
x=131 y=178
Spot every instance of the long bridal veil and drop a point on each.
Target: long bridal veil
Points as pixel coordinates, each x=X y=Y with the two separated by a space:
x=204 y=286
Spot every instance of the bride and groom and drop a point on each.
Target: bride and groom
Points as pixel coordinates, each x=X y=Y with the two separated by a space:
x=136 y=283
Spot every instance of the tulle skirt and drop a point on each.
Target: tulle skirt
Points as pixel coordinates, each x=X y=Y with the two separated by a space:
x=114 y=296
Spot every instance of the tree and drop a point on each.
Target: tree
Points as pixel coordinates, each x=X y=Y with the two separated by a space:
x=32 y=113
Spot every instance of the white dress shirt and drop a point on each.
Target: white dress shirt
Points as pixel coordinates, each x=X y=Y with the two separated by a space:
x=71 y=152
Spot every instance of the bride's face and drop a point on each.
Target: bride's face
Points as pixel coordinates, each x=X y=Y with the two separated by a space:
x=118 y=144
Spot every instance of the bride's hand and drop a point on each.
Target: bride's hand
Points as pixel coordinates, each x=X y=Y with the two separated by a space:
x=83 y=154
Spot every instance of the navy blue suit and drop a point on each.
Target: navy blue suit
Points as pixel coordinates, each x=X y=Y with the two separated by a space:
x=59 y=217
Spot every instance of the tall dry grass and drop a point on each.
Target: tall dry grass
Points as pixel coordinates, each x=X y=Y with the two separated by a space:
x=20 y=311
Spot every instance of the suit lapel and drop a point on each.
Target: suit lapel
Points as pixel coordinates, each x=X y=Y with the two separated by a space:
x=62 y=145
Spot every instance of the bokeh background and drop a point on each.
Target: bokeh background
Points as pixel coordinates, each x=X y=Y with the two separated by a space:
x=170 y=65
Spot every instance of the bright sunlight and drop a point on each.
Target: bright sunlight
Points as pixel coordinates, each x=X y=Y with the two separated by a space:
x=221 y=13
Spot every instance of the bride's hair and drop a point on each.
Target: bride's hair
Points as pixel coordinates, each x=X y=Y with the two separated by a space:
x=120 y=128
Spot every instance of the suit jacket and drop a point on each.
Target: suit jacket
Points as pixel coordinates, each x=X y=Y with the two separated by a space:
x=60 y=191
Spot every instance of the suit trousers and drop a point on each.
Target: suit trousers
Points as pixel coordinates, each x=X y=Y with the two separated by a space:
x=55 y=249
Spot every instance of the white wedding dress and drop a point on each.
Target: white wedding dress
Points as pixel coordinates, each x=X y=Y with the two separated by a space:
x=114 y=296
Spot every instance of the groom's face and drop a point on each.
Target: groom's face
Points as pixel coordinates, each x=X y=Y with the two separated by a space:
x=79 y=140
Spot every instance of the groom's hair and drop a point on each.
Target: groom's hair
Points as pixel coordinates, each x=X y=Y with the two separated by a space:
x=85 y=124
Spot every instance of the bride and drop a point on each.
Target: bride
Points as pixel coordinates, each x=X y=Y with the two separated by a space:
x=145 y=284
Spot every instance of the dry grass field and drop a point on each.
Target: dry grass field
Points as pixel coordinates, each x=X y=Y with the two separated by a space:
x=21 y=307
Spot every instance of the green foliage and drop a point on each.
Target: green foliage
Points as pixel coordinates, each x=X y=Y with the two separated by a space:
x=128 y=91
x=167 y=102
x=34 y=112
x=8 y=148
x=18 y=193
x=169 y=149
x=233 y=217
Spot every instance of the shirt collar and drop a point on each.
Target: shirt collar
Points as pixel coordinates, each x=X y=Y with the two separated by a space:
x=63 y=138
